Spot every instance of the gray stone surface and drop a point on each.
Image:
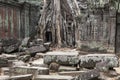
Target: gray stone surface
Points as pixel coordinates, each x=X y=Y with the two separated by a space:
x=90 y=60
x=4 y=62
x=10 y=45
x=30 y=70
x=24 y=58
x=89 y=75
x=102 y=66
x=18 y=63
x=19 y=77
x=67 y=68
x=4 y=77
x=22 y=77
x=36 y=49
x=64 y=58
x=38 y=63
x=25 y=42
x=40 y=55
x=53 y=77
x=54 y=67
x=71 y=73
x=9 y=56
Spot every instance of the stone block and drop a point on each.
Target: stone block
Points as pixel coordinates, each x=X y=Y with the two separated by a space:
x=19 y=77
x=30 y=70
x=63 y=58
x=4 y=77
x=24 y=58
x=90 y=60
x=18 y=63
x=4 y=62
x=5 y=71
x=9 y=56
x=38 y=63
x=22 y=77
x=67 y=68
x=40 y=55
x=53 y=77
x=89 y=75
x=10 y=45
x=36 y=49
x=71 y=73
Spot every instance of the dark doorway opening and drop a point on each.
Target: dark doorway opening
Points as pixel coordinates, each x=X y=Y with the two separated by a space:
x=48 y=36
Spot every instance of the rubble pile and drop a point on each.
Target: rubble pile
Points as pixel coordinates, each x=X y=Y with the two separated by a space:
x=33 y=60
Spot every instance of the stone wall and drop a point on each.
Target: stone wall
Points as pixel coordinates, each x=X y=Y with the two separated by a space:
x=97 y=27
x=18 y=19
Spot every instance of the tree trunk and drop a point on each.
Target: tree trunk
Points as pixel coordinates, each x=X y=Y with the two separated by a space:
x=58 y=21
x=55 y=19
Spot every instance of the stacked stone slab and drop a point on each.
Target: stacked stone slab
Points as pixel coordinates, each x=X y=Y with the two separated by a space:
x=20 y=77
x=4 y=62
x=30 y=70
x=90 y=60
x=72 y=73
x=63 y=58
x=53 y=77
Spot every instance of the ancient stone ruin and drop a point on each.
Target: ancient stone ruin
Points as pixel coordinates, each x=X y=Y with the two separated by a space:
x=59 y=40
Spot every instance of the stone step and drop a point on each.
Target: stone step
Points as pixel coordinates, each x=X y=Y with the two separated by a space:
x=19 y=77
x=30 y=70
x=67 y=68
x=22 y=77
x=90 y=60
x=53 y=77
x=71 y=73
x=64 y=58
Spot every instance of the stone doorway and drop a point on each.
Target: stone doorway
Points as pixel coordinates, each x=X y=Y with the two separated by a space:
x=48 y=36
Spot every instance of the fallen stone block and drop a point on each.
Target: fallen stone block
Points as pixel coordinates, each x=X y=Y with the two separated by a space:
x=90 y=60
x=89 y=75
x=4 y=77
x=30 y=70
x=38 y=63
x=40 y=55
x=53 y=77
x=21 y=77
x=71 y=73
x=62 y=58
x=24 y=58
x=4 y=62
x=5 y=71
x=117 y=70
x=54 y=67
x=9 y=56
x=36 y=49
x=18 y=63
x=47 y=45
x=25 y=42
x=102 y=66
x=67 y=68
x=10 y=45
